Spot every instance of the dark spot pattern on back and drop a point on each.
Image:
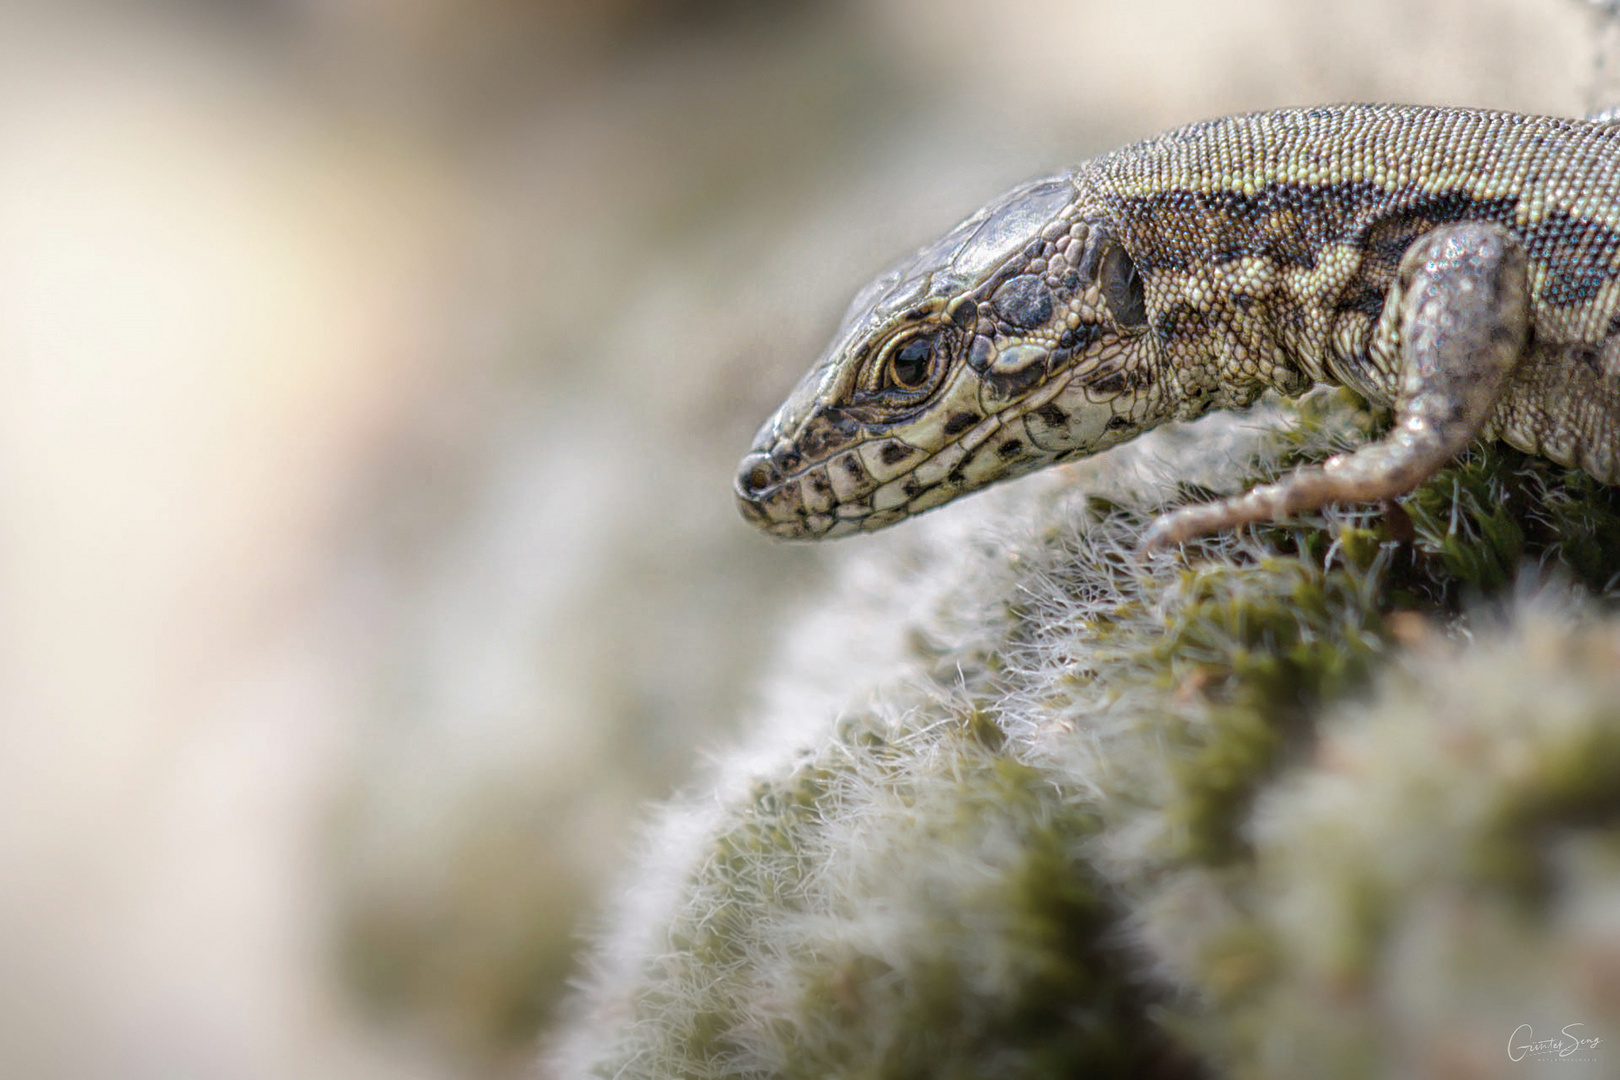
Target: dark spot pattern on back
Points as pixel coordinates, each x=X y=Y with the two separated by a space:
x=1389 y=235
x=1289 y=224
x=1579 y=256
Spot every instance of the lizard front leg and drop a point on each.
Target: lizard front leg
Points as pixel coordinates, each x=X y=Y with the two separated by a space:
x=1462 y=296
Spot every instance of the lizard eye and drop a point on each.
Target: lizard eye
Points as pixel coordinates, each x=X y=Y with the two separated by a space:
x=909 y=365
x=907 y=370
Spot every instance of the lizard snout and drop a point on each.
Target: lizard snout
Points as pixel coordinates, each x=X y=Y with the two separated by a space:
x=756 y=476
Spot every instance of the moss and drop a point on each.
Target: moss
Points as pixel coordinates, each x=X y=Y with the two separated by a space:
x=1568 y=782
x=1114 y=816
x=1262 y=645
x=1427 y=878
x=1009 y=968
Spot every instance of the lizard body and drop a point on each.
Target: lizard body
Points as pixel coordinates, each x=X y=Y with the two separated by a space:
x=1460 y=266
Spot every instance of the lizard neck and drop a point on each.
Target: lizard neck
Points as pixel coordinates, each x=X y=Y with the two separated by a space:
x=1244 y=315
x=1225 y=333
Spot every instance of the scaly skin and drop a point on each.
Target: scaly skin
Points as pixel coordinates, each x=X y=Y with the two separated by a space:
x=1462 y=267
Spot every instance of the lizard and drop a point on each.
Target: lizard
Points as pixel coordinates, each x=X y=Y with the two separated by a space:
x=1460 y=267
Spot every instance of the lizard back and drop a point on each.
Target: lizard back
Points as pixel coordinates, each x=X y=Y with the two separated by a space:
x=1271 y=240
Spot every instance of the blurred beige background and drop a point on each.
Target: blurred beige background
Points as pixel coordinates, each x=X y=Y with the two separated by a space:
x=371 y=379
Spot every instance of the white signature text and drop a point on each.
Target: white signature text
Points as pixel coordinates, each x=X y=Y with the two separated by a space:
x=1523 y=1043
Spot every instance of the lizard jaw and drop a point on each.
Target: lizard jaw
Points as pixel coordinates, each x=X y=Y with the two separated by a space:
x=876 y=481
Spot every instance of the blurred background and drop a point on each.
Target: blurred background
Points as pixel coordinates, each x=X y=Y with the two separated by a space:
x=372 y=373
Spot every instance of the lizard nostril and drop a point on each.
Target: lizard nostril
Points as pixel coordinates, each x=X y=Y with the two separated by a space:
x=756 y=475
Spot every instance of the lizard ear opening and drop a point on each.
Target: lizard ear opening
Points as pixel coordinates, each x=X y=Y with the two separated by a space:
x=1121 y=287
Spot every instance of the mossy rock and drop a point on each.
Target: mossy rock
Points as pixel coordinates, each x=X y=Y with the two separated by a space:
x=1334 y=798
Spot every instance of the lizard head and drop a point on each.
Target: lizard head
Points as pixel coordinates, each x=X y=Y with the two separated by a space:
x=1016 y=340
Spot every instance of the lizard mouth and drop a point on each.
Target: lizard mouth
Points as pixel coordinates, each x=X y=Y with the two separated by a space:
x=795 y=506
x=883 y=479
x=846 y=494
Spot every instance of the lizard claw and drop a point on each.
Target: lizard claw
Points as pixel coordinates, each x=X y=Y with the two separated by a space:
x=1189 y=522
x=1162 y=534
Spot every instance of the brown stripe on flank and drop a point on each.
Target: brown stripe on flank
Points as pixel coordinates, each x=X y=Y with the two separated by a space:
x=1289 y=224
